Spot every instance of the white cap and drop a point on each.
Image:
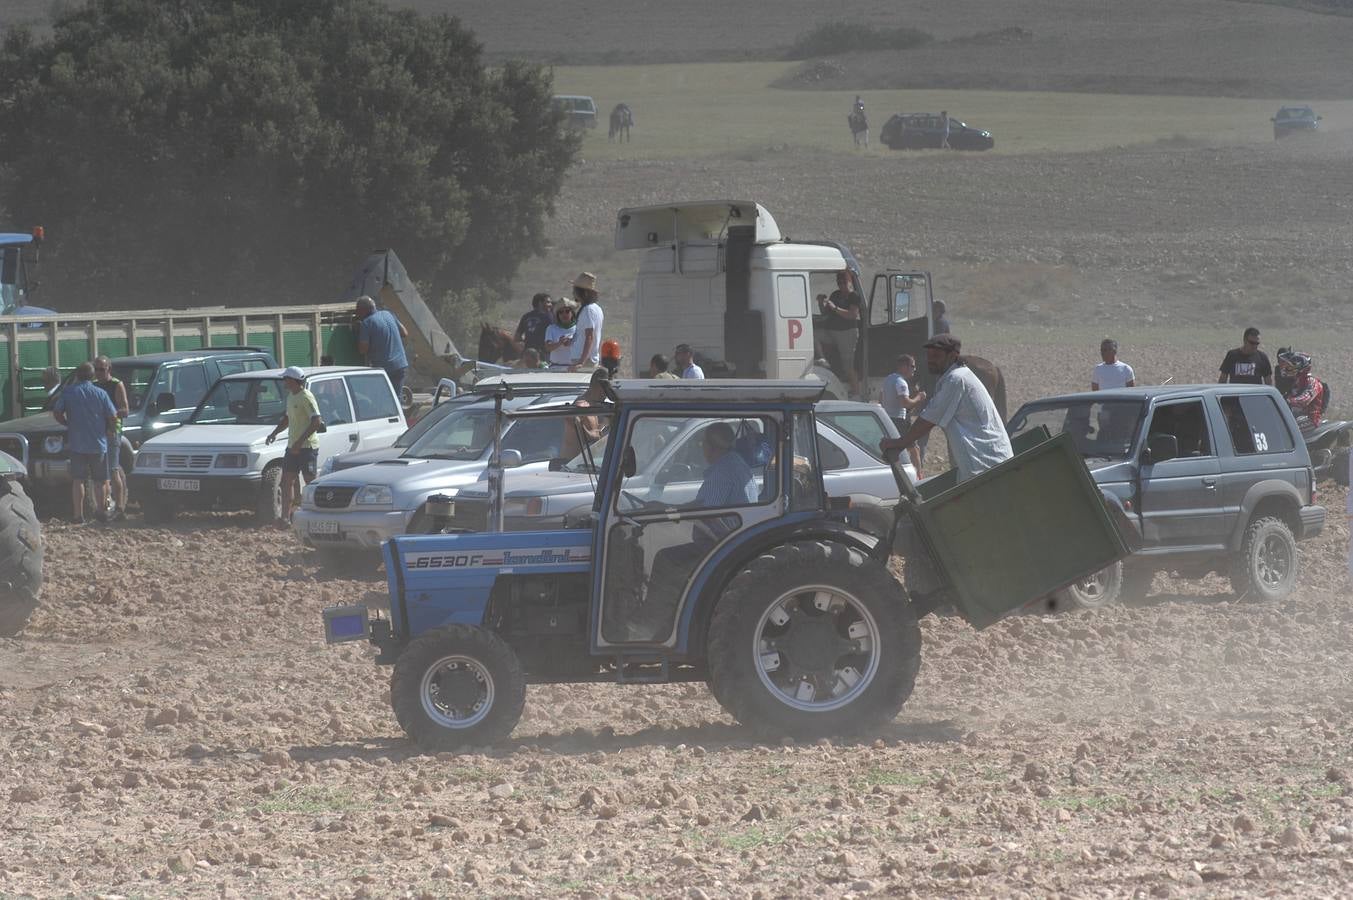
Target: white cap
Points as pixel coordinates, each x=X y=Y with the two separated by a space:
x=294 y=373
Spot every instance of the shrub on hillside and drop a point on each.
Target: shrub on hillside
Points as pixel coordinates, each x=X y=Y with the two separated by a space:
x=843 y=37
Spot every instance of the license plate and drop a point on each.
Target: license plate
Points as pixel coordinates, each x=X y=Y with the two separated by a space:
x=323 y=526
x=180 y=484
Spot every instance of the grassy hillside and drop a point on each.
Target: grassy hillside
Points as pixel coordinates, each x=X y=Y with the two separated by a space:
x=716 y=109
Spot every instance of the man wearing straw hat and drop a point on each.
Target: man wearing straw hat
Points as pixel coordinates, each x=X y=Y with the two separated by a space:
x=590 y=318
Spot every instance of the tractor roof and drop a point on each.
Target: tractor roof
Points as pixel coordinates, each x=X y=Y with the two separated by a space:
x=716 y=390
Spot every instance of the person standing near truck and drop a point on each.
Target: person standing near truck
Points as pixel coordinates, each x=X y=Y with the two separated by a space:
x=685 y=363
x=944 y=129
x=1112 y=372
x=590 y=319
x=302 y=422
x=841 y=327
x=88 y=415
x=559 y=337
x=963 y=408
x=117 y=392
x=899 y=402
x=380 y=338
x=1247 y=364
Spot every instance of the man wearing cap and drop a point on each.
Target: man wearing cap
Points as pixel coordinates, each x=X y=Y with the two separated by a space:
x=380 y=338
x=685 y=363
x=590 y=318
x=963 y=408
x=302 y=422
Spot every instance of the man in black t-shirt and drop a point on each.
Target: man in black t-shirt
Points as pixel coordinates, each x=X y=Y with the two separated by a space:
x=531 y=329
x=1247 y=364
x=841 y=326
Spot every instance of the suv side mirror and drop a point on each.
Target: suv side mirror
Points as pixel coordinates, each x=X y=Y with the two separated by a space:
x=510 y=458
x=163 y=402
x=1161 y=447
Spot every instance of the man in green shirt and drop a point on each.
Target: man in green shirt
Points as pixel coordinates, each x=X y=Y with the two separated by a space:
x=302 y=422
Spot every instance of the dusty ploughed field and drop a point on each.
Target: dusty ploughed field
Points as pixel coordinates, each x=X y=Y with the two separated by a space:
x=173 y=725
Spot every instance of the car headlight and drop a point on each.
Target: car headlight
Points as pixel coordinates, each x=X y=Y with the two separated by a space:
x=527 y=506
x=328 y=467
x=375 y=495
x=231 y=460
x=146 y=460
x=53 y=444
x=308 y=496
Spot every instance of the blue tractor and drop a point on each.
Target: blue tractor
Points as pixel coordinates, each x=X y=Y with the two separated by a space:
x=18 y=252
x=761 y=587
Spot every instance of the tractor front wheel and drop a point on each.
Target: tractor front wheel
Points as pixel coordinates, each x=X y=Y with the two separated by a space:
x=457 y=686
x=814 y=639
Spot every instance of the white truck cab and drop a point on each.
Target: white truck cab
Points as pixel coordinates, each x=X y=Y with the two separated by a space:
x=720 y=276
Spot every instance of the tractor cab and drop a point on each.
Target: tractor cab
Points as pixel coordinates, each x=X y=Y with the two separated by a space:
x=18 y=255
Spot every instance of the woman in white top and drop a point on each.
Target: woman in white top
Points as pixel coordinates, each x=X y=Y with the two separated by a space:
x=559 y=336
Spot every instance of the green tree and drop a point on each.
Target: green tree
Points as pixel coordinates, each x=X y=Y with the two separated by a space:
x=244 y=151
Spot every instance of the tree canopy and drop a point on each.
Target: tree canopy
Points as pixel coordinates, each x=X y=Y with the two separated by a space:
x=182 y=152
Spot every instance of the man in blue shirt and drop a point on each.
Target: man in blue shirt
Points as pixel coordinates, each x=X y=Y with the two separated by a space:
x=728 y=480
x=89 y=415
x=380 y=338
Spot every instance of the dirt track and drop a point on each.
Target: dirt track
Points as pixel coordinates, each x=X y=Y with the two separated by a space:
x=176 y=725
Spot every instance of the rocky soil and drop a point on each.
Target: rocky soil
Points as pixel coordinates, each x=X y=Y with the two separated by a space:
x=172 y=723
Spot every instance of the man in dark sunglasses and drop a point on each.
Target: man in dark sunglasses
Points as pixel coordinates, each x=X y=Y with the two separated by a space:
x=1247 y=364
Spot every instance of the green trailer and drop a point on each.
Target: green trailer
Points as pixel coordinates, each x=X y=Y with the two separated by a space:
x=295 y=335
x=1013 y=534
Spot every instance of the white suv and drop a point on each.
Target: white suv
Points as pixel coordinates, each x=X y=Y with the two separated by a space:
x=220 y=458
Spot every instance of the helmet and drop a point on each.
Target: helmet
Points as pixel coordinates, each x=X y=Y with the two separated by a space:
x=1294 y=362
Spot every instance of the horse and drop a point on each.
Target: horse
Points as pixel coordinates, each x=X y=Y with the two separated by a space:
x=859 y=127
x=497 y=345
x=622 y=119
x=992 y=378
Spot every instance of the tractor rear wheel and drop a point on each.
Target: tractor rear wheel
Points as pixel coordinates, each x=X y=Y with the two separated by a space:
x=20 y=558
x=813 y=639
x=457 y=686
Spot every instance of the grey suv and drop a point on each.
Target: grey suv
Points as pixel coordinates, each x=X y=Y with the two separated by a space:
x=1212 y=478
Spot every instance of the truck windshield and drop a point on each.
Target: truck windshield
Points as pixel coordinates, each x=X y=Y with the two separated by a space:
x=243 y=401
x=1101 y=429
x=136 y=379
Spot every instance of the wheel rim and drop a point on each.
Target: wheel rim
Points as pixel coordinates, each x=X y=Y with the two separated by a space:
x=1093 y=591
x=1273 y=562
x=817 y=648
x=457 y=692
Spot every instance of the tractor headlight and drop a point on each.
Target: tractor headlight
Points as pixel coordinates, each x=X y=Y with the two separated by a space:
x=53 y=444
x=375 y=495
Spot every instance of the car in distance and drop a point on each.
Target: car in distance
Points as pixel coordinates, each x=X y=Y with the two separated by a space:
x=925 y=131
x=163 y=389
x=1293 y=120
x=220 y=459
x=1211 y=478
x=580 y=111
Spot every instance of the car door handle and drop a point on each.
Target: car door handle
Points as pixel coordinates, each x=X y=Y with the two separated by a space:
x=1210 y=483
x=352 y=439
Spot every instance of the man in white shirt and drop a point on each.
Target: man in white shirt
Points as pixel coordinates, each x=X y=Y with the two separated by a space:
x=685 y=363
x=898 y=402
x=1111 y=373
x=590 y=318
x=963 y=408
